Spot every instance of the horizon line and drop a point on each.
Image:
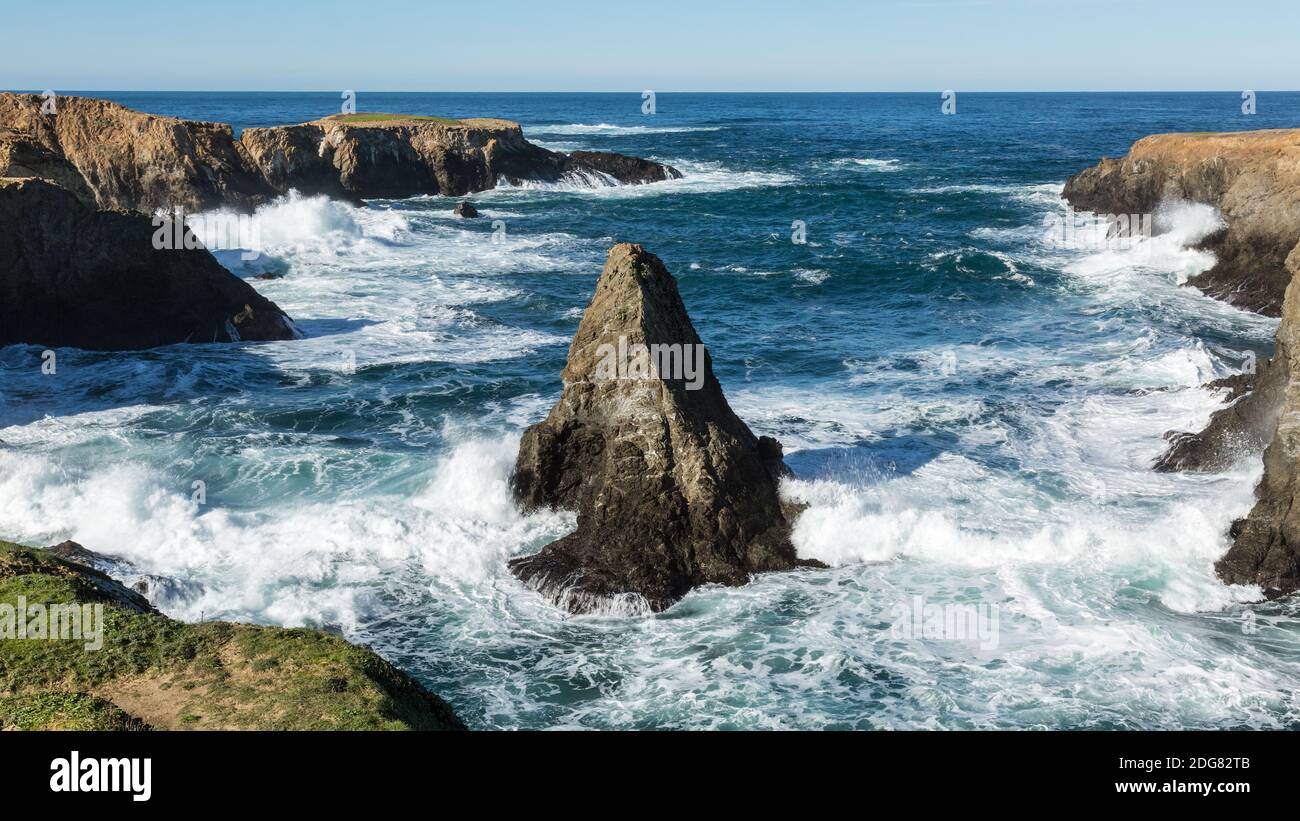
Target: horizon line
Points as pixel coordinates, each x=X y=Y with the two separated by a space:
x=638 y=93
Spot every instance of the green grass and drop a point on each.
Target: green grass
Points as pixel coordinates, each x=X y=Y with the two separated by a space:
x=376 y=117
x=64 y=711
x=213 y=674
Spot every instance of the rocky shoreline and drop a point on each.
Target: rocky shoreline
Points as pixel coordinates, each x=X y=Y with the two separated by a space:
x=79 y=263
x=1253 y=179
x=75 y=276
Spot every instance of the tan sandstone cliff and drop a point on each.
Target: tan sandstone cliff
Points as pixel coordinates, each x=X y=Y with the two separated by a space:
x=113 y=157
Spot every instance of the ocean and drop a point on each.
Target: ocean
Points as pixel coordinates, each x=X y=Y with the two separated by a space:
x=970 y=401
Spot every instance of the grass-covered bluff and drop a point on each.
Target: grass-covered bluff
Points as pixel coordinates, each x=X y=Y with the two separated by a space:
x=380 y=117
x=153 y=672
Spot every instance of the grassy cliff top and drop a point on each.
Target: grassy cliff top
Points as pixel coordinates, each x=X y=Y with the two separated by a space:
x=377 y=117
x=155 y=672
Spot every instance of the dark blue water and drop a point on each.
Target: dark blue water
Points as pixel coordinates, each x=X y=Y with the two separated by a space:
x=971 y=405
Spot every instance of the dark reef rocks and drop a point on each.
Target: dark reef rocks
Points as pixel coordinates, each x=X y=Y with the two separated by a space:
x=465 y=210
x=72 y=275
x=671 y=488
x=1253 y=178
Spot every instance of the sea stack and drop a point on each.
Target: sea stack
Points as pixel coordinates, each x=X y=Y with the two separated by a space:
x=1253 y=179
x=72 y=275
x=671 y=488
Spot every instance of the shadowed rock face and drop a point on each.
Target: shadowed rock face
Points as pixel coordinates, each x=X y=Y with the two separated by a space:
x=671 y=488
x=71 y=275
x=1266 y=544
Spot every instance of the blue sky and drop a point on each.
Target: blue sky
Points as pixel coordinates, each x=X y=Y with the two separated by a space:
x=666 y=45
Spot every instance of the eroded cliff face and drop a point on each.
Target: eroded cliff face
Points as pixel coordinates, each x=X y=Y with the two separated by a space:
x=73 y=275
x=405 y=157
x=1253 y=178
x=113 y=157
x=1266 y=544
x=671 y=488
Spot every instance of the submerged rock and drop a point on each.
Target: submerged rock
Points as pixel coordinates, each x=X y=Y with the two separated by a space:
x=71 y=275
x=465 y=210
x=671 y=488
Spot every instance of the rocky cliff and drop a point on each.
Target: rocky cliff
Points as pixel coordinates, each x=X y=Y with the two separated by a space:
x=399 y=157
x=1253 y=178
x=73 y=275
x=113 y=157
x=150 y=672
x=671 y=488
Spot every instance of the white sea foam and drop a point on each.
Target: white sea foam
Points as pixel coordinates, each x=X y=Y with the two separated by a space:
x=609 y=130
x=319 y=564
x=1040 y=194
x=697 y=178
x=868 y=163
x=1035 y=496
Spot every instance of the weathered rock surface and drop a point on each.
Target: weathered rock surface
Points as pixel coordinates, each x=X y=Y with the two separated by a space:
x=1266 y=544
x=465 y=210
x=671 y=488
x=406 y=157
x=72 y=275
x=113 y=157
x=1252 y=177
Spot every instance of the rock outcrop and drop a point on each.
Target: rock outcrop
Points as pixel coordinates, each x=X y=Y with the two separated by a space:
x=465 y=210
x=113 y=157
x=1266 y=544
x=1253 y=178
x=672 y=490
x=72 y=275
x=151 y=672
x=361 y=158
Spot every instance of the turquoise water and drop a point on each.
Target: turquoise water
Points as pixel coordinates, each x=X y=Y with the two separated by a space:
x=969 y=402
